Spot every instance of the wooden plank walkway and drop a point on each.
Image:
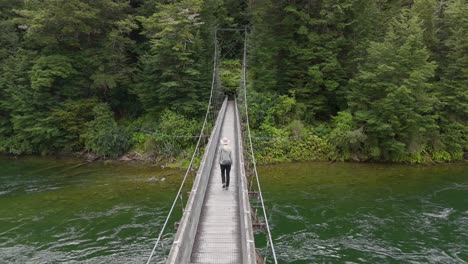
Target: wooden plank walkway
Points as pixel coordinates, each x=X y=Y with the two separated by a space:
x=218 y=235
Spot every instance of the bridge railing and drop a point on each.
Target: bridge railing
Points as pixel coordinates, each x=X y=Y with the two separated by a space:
x=250 y=152
x=247 y=237
x=184 y=239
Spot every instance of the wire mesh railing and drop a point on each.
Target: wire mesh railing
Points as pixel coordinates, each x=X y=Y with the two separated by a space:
x=254 y=187
x=210 y=116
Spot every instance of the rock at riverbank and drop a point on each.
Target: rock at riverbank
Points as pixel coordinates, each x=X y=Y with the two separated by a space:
x=132 y=156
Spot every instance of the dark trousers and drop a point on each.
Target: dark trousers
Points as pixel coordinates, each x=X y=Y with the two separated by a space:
x=225 y=171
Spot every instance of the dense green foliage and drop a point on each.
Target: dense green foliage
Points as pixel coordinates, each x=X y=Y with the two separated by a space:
x=175 y=134
x=175 y=60
x=71 y=69
x=103 y=136
x=329 y=79
x=377 y=80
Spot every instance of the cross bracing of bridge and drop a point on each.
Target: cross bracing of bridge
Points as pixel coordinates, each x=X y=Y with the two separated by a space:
x=217 y=224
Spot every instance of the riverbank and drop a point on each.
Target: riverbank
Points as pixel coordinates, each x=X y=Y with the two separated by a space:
x=84 y=158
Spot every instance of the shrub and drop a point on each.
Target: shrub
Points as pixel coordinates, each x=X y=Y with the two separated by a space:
x=293 y=142
x=103 y=136
x=346 y=140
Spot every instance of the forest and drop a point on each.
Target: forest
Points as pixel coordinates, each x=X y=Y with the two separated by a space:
x=360 y=80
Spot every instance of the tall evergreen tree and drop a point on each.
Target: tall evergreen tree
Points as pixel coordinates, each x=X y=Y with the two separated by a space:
x=427 y=11
x=368 y=23
x=305 y=54
x=267 y=37
x=392 y=97
x=452 y=88
x=173 y=70
x=9 y=45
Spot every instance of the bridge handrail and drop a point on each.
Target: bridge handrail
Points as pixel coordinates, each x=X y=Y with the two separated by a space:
x=254 y=162
x=179 y=193
x=247 y=237
x=187 y=228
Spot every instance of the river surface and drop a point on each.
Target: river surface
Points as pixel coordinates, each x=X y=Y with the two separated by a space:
x=58 y=211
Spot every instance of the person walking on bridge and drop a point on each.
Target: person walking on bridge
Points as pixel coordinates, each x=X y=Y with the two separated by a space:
x=225 y=161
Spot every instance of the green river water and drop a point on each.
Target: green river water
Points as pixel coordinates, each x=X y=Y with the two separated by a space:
x=53 y=211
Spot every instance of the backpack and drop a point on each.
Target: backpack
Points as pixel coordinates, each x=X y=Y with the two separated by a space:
x=225 y=157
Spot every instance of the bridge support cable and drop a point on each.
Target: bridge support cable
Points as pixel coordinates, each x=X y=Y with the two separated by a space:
x=197 y=147
x=184 y=239
x=254 y=163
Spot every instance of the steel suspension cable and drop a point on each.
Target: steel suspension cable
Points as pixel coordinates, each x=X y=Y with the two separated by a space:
x=215 y=64
x=244 y=84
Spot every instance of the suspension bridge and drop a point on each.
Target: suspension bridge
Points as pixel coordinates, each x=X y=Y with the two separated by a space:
x=217 y=225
